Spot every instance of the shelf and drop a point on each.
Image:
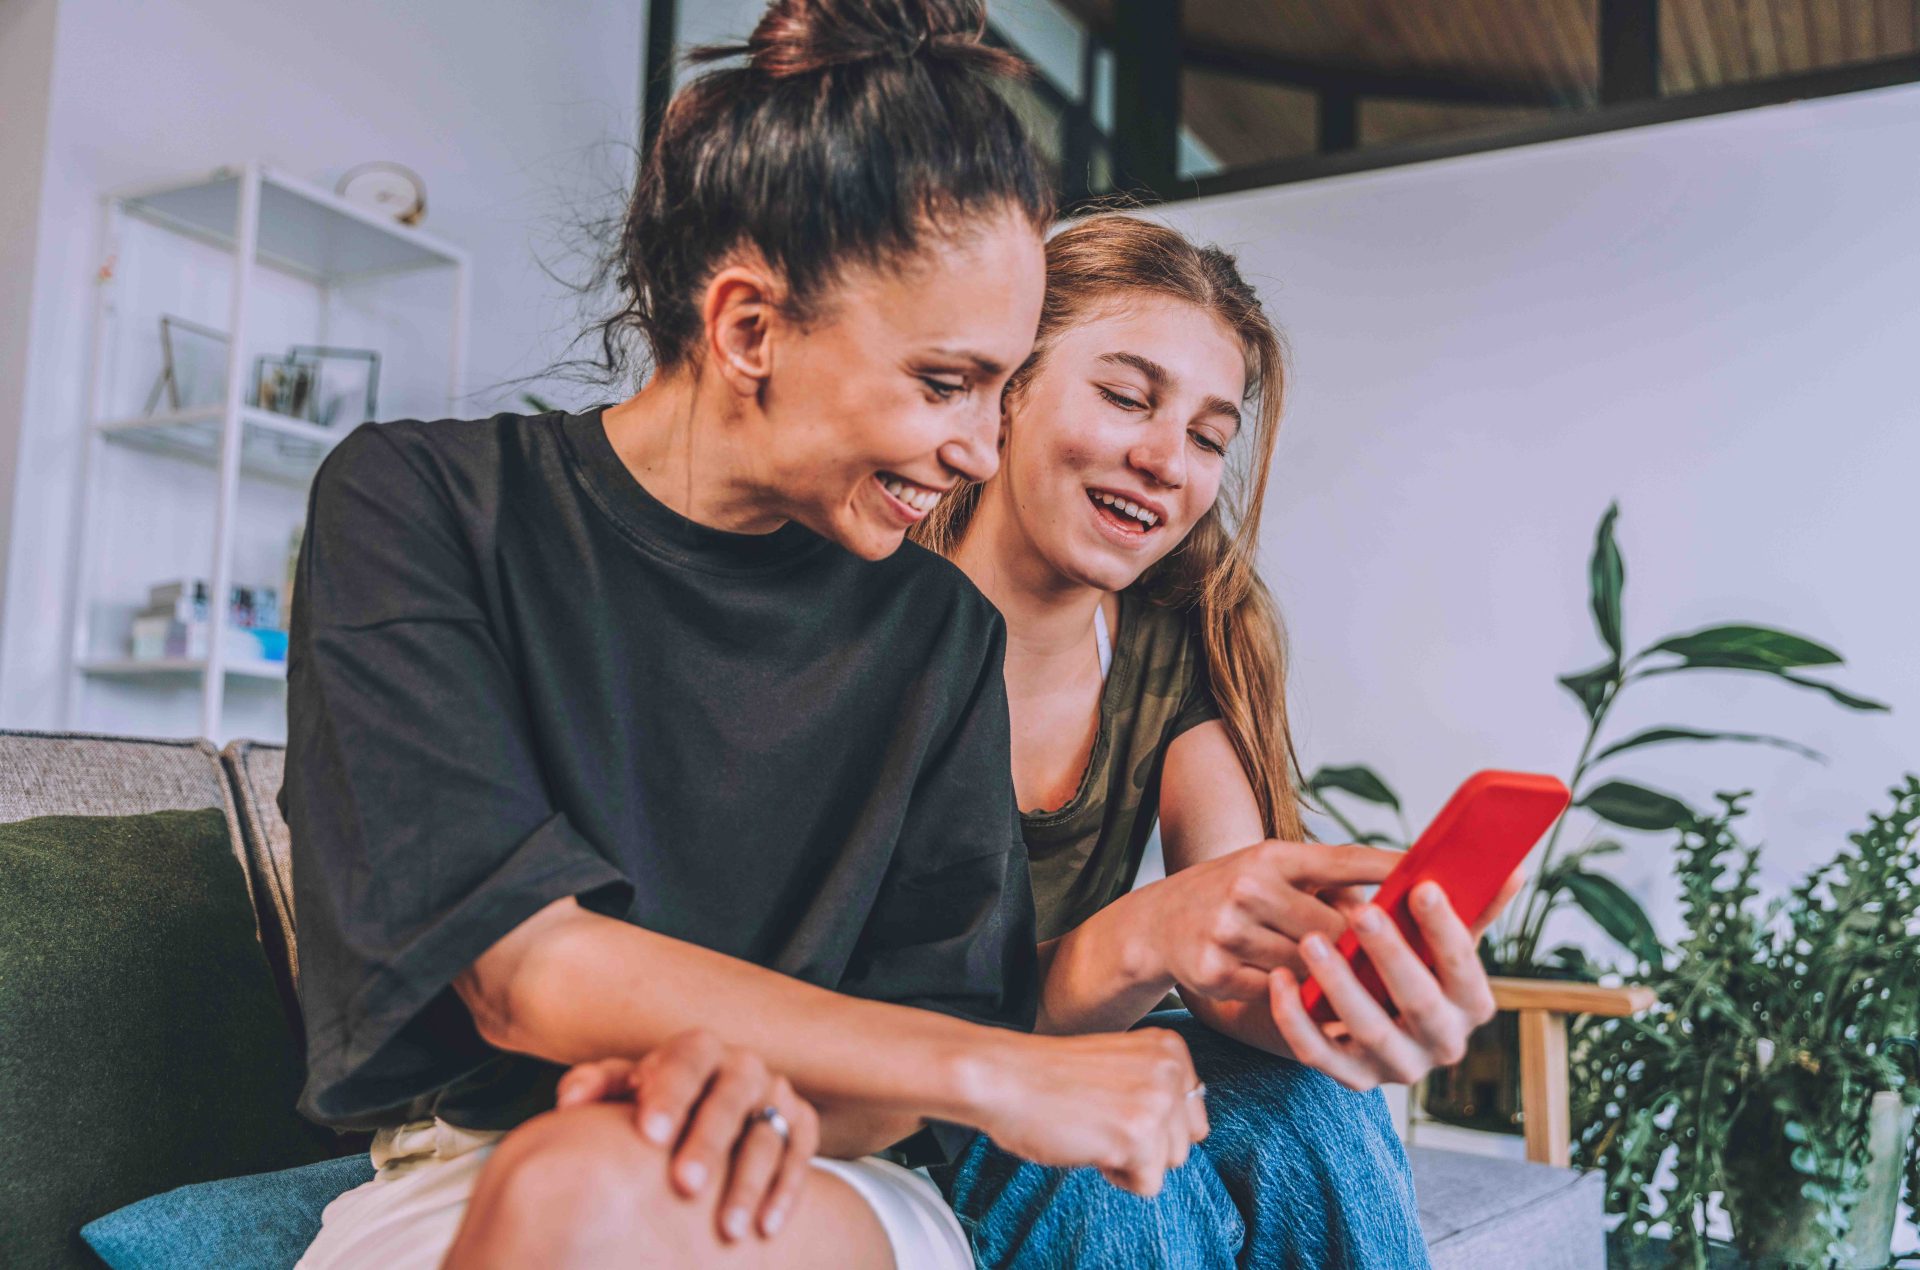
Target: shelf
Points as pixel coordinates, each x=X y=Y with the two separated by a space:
x=272 y=446
x=181 y=667
x=303 y=228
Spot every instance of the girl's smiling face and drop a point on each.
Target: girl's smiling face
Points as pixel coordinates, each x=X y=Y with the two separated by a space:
x=1116 y=444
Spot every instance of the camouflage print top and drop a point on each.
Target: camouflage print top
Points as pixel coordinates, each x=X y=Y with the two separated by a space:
x=1084 y=854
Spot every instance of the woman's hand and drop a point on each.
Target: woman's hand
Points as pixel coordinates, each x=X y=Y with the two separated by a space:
x=705 y=1096
x=1437 y=1009
x=1127 y=1103
x=1221 y=926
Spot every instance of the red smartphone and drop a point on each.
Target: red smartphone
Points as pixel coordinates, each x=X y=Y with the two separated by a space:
x=1471 y=849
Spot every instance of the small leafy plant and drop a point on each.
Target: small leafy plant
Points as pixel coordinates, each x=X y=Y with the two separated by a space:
x=1775 y=1029
x=1563 y=878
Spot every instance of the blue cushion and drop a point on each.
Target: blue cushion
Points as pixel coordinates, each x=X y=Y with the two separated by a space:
x=260 y=1222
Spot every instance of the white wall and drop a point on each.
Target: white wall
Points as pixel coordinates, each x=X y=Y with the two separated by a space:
x=1714 y=321
x=515 y=115
x=26 y=64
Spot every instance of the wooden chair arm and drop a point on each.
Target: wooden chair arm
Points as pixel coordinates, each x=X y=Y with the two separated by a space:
x=1563 y=997
x=1543 y=1006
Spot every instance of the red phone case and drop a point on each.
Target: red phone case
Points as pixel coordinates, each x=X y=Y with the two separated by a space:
x=1471 y=849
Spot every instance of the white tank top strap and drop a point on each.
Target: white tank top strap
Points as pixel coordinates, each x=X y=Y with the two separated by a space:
x=1102 y=640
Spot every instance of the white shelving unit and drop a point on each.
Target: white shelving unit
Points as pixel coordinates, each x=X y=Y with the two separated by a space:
x=295 y=258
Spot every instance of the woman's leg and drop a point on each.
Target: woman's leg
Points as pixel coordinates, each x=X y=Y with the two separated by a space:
x=1316 y=1170
x=582 y=1188
x=1296 y=1172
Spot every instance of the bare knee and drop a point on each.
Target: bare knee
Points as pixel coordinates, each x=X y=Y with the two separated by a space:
x=572 y=1188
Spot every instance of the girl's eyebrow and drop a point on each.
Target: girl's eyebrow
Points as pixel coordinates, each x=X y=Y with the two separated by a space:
x=1159 y=377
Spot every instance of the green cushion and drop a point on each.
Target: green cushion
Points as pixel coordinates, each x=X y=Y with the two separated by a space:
x=142 y=1045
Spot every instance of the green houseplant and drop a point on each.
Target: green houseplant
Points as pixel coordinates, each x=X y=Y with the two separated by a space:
x=1756 y=1077
x=1483 y=1091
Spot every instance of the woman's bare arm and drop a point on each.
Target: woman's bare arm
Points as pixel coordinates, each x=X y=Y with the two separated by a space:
x=569 y=985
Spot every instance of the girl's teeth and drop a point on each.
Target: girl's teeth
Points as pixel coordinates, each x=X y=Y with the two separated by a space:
x=1132 y=509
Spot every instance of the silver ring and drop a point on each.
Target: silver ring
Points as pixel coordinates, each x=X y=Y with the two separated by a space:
x=1198 y=1091
x=776 y=1121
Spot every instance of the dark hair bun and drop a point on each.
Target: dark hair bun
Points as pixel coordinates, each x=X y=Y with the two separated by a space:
x=853 y=126
x=805 y=37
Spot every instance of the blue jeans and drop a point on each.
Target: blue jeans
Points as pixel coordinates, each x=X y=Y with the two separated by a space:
x=1297 y=1171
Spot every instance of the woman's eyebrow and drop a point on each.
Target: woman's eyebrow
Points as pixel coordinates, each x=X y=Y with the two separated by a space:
x=979 y=361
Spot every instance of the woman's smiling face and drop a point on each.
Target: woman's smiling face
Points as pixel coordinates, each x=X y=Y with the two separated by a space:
x=1117 y=445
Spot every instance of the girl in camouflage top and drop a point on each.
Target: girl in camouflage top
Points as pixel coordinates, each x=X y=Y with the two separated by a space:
x=1146 y=679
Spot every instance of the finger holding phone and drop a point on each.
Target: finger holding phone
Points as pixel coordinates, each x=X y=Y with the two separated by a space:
x=1222 y=925
x=1434 y=1010
x=1404 y=987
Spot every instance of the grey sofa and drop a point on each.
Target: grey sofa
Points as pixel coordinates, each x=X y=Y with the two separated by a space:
x=1474 y=1212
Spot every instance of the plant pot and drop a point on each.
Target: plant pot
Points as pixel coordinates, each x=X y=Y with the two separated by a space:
x=1790 y=1236
x=1482 y=1090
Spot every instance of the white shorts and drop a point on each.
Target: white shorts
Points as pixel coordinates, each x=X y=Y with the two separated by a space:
x=407 y=1216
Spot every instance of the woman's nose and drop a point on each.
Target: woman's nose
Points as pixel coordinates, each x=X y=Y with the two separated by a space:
x=975 y=453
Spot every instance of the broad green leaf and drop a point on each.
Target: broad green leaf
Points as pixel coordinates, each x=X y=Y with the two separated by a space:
x=1742 y=647
x=1590 y=686
x=1636 y=807
x=1357 y=780
x=1615 y=912
x=1606 y=576
x=1845 y=699
x=1656 y=736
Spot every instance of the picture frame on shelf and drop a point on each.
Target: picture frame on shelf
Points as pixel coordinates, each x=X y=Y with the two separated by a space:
x=346 y=382
x=283 y=385
x=193 y=365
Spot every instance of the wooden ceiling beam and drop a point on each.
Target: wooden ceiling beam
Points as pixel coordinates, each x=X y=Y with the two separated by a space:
x=1365 y=81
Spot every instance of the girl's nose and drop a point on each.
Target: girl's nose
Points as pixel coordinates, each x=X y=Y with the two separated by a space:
x=1162 y=455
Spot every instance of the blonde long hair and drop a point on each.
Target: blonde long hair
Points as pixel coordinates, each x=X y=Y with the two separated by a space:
x=1100 y=261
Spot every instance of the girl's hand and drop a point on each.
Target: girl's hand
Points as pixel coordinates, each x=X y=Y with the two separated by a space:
x=1437 y=1009
x=1127 y=1103
x=1221 y=926
x=695 y=1091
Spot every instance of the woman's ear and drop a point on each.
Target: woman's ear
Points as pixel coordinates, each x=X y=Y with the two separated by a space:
x=738 y=311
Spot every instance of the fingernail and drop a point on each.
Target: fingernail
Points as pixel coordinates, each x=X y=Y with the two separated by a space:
x=773 y=1220
x=1430 y=896
x=1369 y=920
x=694 y=1175
x=734 y=1223
x=1315 y=947
x=658 y=1127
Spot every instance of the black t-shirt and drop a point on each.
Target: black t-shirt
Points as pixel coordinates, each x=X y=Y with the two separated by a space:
x=515 y=676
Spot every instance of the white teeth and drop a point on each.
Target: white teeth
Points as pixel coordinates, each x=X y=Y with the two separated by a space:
x=921 y=500
x=1126 y=506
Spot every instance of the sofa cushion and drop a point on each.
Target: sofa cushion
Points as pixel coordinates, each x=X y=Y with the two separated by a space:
x=1476 y=1211
x=260 y=1222
x=89 y=774
x=144 y=1046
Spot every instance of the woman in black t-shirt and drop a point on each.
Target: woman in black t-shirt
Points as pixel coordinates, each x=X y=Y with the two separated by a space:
x=634 y=739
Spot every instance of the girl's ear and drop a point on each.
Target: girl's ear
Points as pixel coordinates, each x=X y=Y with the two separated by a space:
x=738 y=311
